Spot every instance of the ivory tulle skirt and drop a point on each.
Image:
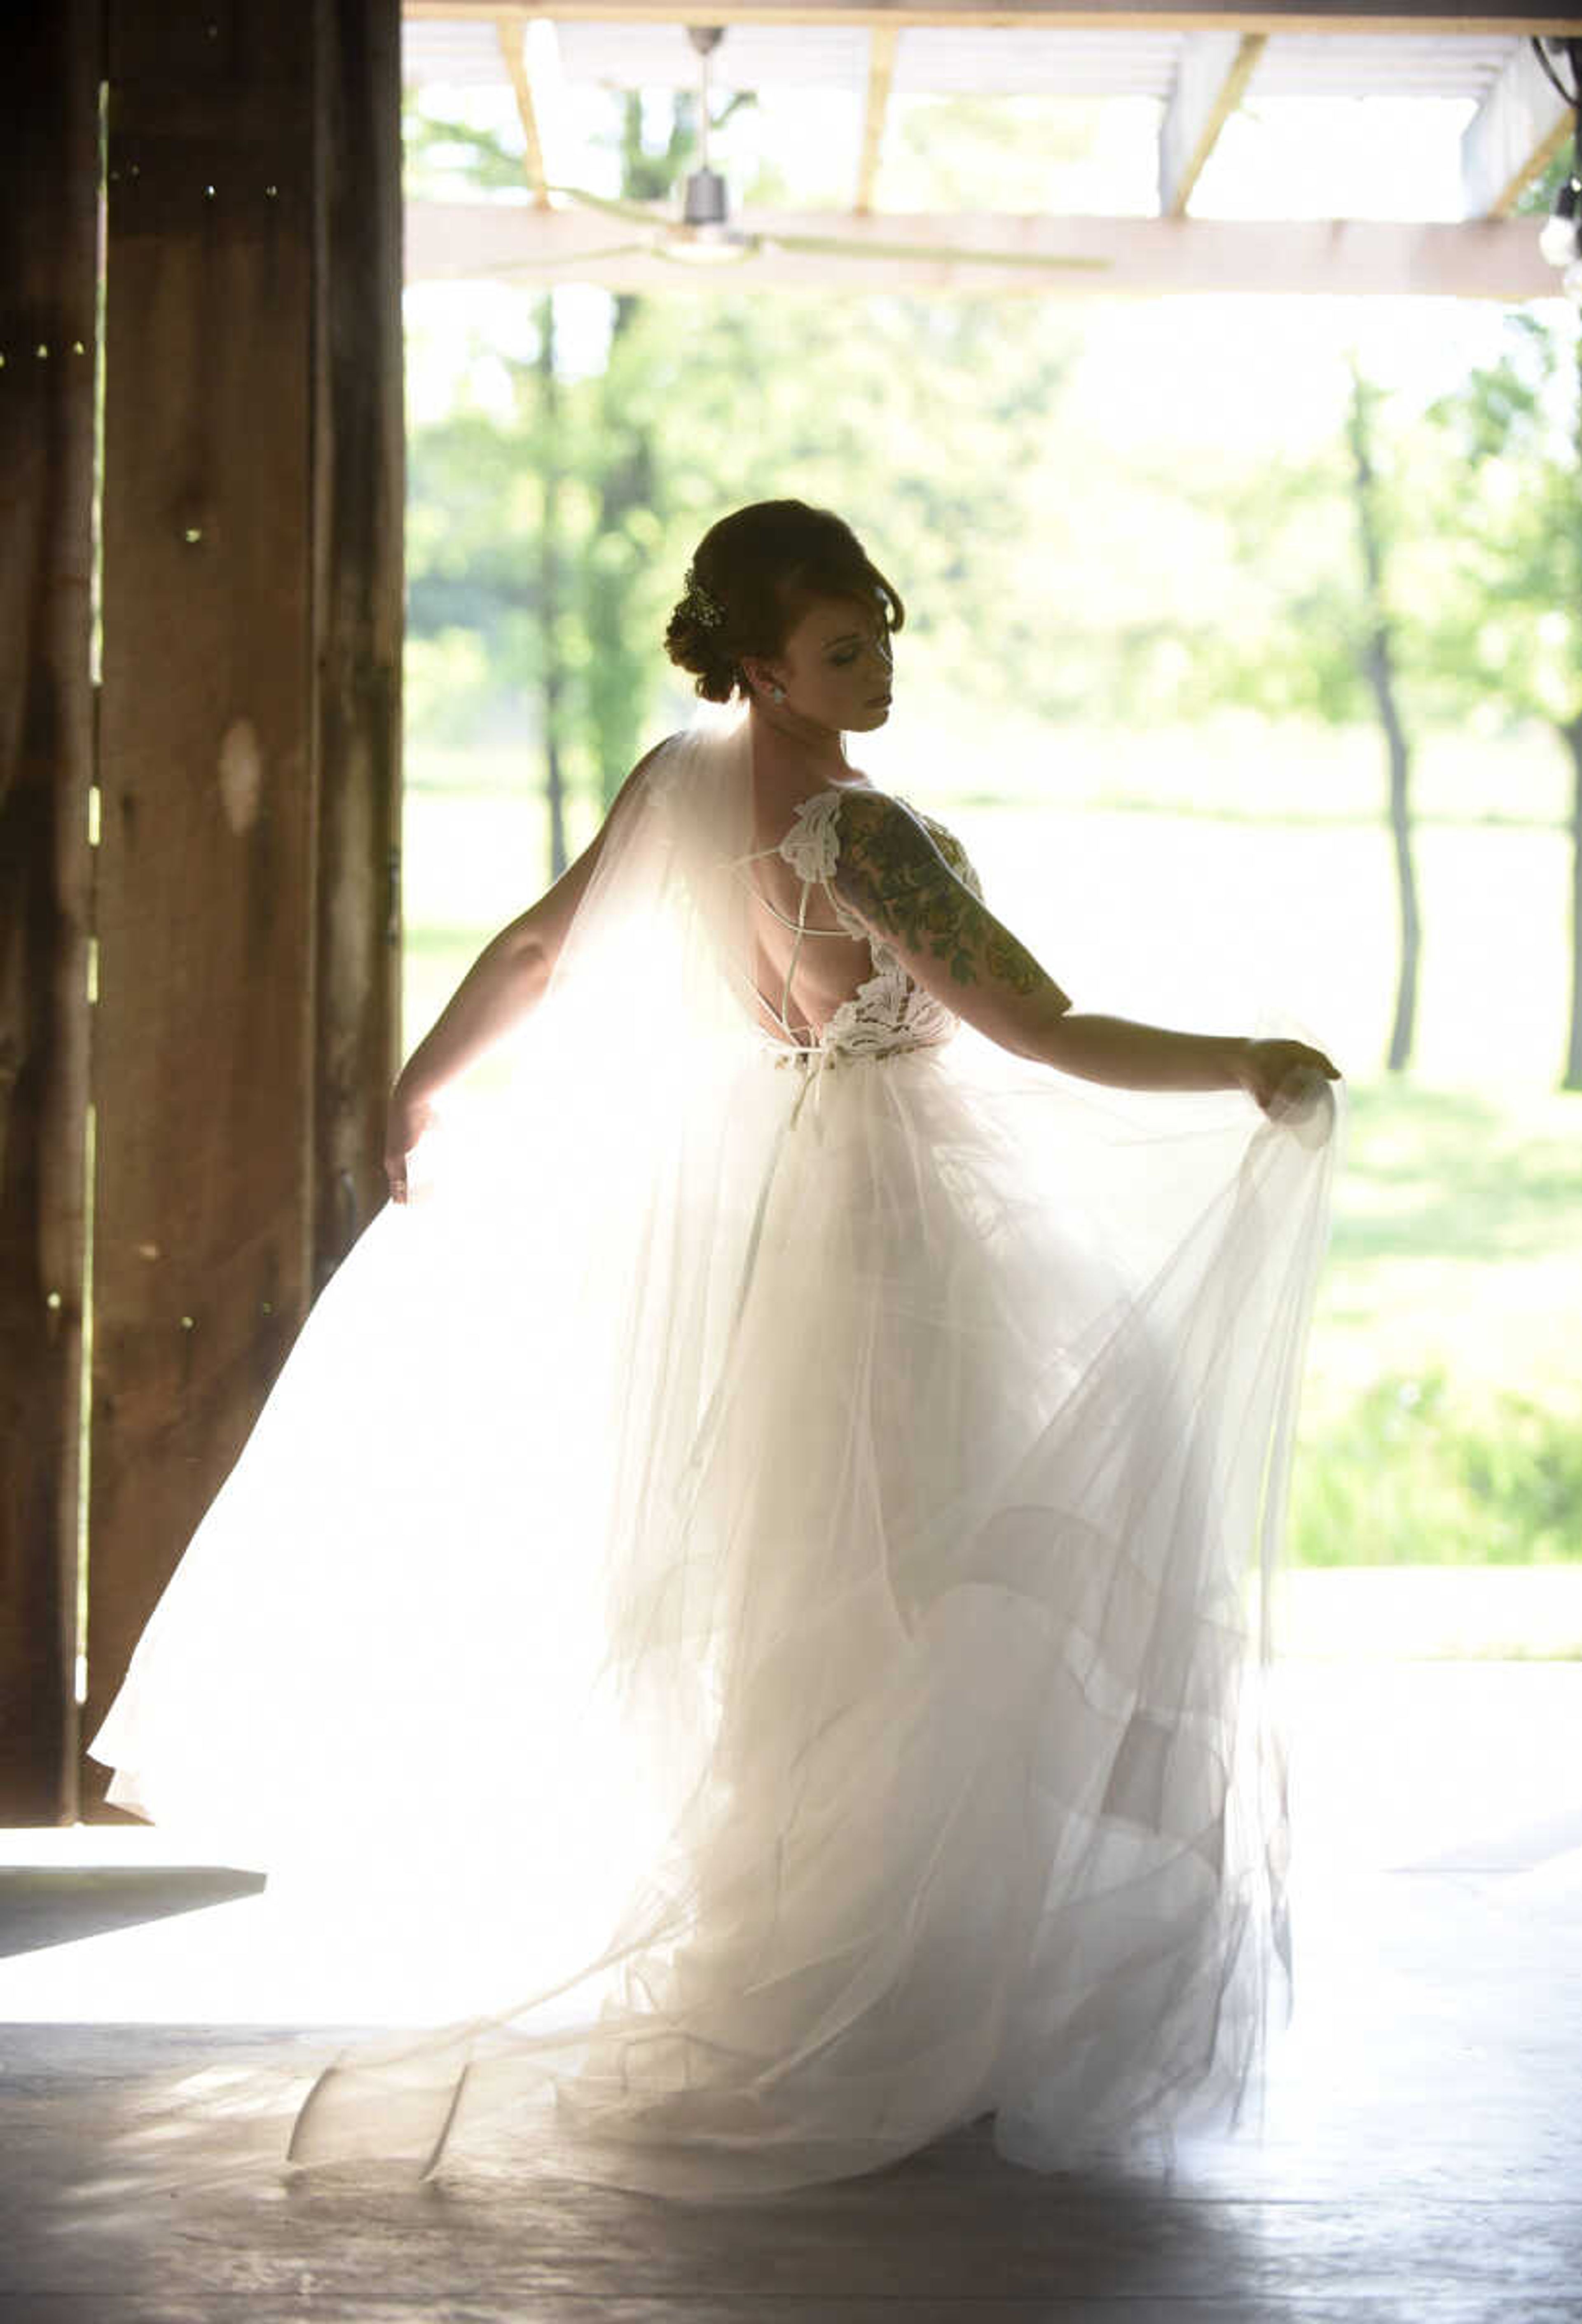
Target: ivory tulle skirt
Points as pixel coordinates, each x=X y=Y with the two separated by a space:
x=786 y=1615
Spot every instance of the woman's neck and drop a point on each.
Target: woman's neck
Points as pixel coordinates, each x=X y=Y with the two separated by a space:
x=788 y=747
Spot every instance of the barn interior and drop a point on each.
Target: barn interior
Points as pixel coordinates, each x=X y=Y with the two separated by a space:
x=205 y=247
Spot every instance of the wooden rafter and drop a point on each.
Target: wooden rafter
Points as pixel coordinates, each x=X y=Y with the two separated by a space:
x=881 y=73
x=1211 y=82
x=1520 y=125
x=1494 y=258
x=512 y=35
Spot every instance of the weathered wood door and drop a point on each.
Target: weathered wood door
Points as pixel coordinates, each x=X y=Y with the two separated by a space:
x=244 y=928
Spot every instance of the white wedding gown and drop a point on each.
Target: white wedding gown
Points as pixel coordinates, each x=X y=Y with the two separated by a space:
x=765 y=1568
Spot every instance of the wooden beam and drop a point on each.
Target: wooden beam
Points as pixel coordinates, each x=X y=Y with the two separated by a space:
x=1211 y=81
x=1490 y=19
x=357 y=559
x=1521 y=125
x=1494 y=259
x=48 y=201
x=512 y=36
x=881 y=73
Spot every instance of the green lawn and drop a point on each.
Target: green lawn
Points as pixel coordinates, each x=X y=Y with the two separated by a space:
x=1442 y=1414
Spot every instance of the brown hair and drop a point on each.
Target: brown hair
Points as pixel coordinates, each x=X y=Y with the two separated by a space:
x=754 y=575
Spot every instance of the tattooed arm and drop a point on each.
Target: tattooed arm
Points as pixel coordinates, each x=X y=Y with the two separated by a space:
x=893 y=876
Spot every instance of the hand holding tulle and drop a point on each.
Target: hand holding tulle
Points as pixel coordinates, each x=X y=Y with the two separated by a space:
x=407 y=1119
x=1275 y=1069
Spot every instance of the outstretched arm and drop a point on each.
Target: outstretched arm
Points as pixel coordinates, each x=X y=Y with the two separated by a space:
x=894 y=877
x=505 y=982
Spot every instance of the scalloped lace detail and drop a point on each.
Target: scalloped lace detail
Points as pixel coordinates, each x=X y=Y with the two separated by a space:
x=890 y=1010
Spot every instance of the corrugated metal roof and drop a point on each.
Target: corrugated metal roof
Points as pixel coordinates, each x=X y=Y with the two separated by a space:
x=455 y=53
x=1385 y=64
x=1438 y=80
x=1028 y=60
x=750 y=56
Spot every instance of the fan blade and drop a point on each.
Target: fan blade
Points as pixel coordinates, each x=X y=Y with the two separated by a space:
x=641 y=212
x=829 y=245
x=676 y=250
x=570 y=258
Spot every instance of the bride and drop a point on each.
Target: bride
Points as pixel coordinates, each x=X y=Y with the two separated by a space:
x=761 y=1568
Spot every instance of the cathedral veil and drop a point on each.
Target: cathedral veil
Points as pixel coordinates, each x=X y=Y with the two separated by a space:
x=761 y=1583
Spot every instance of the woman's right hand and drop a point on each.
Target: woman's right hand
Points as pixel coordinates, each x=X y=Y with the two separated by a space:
x=409 y=1115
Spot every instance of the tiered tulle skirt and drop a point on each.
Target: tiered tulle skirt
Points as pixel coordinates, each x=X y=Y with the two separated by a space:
x=785 y=1616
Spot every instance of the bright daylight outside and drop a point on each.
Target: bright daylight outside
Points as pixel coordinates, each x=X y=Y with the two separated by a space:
x=1244 y=650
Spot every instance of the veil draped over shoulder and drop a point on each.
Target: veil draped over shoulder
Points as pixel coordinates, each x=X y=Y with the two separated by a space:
x=761 y=1577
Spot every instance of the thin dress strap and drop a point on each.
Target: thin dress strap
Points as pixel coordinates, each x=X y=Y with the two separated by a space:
x=809 y=880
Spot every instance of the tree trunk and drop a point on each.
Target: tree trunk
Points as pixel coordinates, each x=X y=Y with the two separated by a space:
x=1404 y=1024
x=1377 y=658
x=1571 y=736
x=552 y=687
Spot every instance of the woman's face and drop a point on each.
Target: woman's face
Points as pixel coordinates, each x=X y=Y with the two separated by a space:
x=835 y=666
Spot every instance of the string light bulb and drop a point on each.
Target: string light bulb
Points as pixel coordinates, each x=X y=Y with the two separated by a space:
x=1557 y=239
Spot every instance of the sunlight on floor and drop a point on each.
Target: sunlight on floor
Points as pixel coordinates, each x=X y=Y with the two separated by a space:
x=1449 y=1767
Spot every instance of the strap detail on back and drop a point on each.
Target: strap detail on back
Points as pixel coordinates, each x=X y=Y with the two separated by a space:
x=888 y=1013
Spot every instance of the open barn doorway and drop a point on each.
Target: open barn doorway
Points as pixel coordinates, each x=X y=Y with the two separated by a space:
x=1234 y=540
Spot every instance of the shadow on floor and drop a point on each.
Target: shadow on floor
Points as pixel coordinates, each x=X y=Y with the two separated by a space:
x=50 y=1904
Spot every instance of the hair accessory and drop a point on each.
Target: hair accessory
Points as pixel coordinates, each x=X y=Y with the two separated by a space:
x=696 y=601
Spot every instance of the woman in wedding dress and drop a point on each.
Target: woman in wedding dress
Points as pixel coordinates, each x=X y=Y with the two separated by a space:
x=762 y=1560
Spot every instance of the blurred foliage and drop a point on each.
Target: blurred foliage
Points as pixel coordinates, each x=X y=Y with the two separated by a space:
x=1510 y=598
x=1410 y=1470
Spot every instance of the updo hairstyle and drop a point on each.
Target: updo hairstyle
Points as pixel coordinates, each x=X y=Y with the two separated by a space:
x=754 y=576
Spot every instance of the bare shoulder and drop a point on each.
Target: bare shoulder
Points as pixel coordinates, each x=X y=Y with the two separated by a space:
x=641 y=768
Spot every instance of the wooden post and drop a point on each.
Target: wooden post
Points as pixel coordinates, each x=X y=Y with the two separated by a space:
x=49 y=180
x=359 y=502
x=246 y=1026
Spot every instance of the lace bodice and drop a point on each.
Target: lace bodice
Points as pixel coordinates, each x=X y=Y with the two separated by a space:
x=889 y=1010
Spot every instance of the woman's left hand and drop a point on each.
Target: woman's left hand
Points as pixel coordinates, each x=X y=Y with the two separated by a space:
x=1265 y=1068
x=407 y=1117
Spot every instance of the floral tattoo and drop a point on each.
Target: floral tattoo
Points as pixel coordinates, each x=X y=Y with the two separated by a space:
x=898 y=878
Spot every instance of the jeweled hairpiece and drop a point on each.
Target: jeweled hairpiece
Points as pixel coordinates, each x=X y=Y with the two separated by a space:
x=704 y=609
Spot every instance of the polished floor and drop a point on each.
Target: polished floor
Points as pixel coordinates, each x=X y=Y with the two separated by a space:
x=1420 y=2157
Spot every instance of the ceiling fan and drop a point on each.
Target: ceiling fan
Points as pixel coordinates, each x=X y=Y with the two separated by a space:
x=702 y=234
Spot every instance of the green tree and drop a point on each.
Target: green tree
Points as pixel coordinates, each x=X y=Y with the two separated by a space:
x=566 y=606
x=925 y=420
x=1375 y=645
x=1330 y=620
x=1513 y=432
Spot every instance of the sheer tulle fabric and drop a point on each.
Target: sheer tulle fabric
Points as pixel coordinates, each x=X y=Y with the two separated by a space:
x=766 y=1568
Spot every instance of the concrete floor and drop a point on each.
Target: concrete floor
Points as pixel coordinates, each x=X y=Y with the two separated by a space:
x=1421 y=2158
